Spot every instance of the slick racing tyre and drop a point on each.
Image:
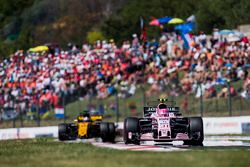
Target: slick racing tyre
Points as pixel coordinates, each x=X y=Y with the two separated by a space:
x=104 y=130
x=111 y=137
x=196 y=132
x=62 y=132
x=131 y=126
x=107 y=131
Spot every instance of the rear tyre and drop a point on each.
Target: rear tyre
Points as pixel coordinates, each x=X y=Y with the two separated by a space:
x=62 y=132
x=131 y=125
x=196 y=132
x=89 y=131
x=111 y=132
x=104 y=131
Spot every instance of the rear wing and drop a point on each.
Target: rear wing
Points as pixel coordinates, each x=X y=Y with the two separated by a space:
x=148 y=111
x=96 y=117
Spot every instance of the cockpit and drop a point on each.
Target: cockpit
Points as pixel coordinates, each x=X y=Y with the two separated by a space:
x=162 y=106
x=162 y=109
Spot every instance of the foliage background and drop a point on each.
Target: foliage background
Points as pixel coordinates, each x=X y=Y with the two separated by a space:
x=24 y=24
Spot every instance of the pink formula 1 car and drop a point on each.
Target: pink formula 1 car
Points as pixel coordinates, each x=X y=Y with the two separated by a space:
x=163 y=122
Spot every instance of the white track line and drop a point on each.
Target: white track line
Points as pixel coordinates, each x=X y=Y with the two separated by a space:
x=143 y=147
x=240 y=138
x=210 y=141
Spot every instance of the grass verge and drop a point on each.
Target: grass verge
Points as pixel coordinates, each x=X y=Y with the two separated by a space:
x=46 y=152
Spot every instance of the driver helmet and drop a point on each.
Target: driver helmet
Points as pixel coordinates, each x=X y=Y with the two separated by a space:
x=162 y=109
x=85 y=113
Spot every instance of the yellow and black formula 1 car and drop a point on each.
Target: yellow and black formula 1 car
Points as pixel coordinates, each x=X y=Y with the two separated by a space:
x=86 y=126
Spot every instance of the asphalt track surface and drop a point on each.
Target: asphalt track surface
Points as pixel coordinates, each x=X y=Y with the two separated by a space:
x=218 y=142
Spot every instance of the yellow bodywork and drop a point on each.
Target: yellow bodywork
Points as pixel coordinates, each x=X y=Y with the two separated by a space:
x=83 y=125
x=96 y=118
x=83 y=129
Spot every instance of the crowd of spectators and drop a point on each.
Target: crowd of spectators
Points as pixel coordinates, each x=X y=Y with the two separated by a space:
x=29 y=79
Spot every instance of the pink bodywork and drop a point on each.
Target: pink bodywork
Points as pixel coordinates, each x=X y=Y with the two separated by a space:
x=161 y=120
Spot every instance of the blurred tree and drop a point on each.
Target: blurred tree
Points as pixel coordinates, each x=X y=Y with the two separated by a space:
x=124 y=24
x=209 y=14
x=93 y=36
x=24 y=24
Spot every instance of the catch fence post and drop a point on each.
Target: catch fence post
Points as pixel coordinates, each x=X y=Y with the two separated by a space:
x=64 y=107
x=14 y=122
x=201 y=100
x=14 y=118
x=21 y=117
x=216 y=105
x=241 y=107
x=229 y=98
x=79 y=100
x=38 y=114
x=117 y=106
x=143 y=95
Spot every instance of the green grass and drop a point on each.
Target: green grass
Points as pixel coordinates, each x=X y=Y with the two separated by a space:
x=43 y=152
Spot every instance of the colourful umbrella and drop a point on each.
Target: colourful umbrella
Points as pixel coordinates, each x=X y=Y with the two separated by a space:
x=39 y=49
x=226 y=32
x=164 y=19
x=185 y=28
x=176 y=21
x=154 y=22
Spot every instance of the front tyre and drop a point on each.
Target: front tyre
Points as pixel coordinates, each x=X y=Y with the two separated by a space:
x=131 y=126
x=196 y=132
x=62 y=132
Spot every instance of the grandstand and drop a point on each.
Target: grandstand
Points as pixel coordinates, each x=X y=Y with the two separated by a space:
x=35 y=82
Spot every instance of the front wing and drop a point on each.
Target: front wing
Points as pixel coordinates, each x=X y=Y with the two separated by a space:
x=179 y=130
